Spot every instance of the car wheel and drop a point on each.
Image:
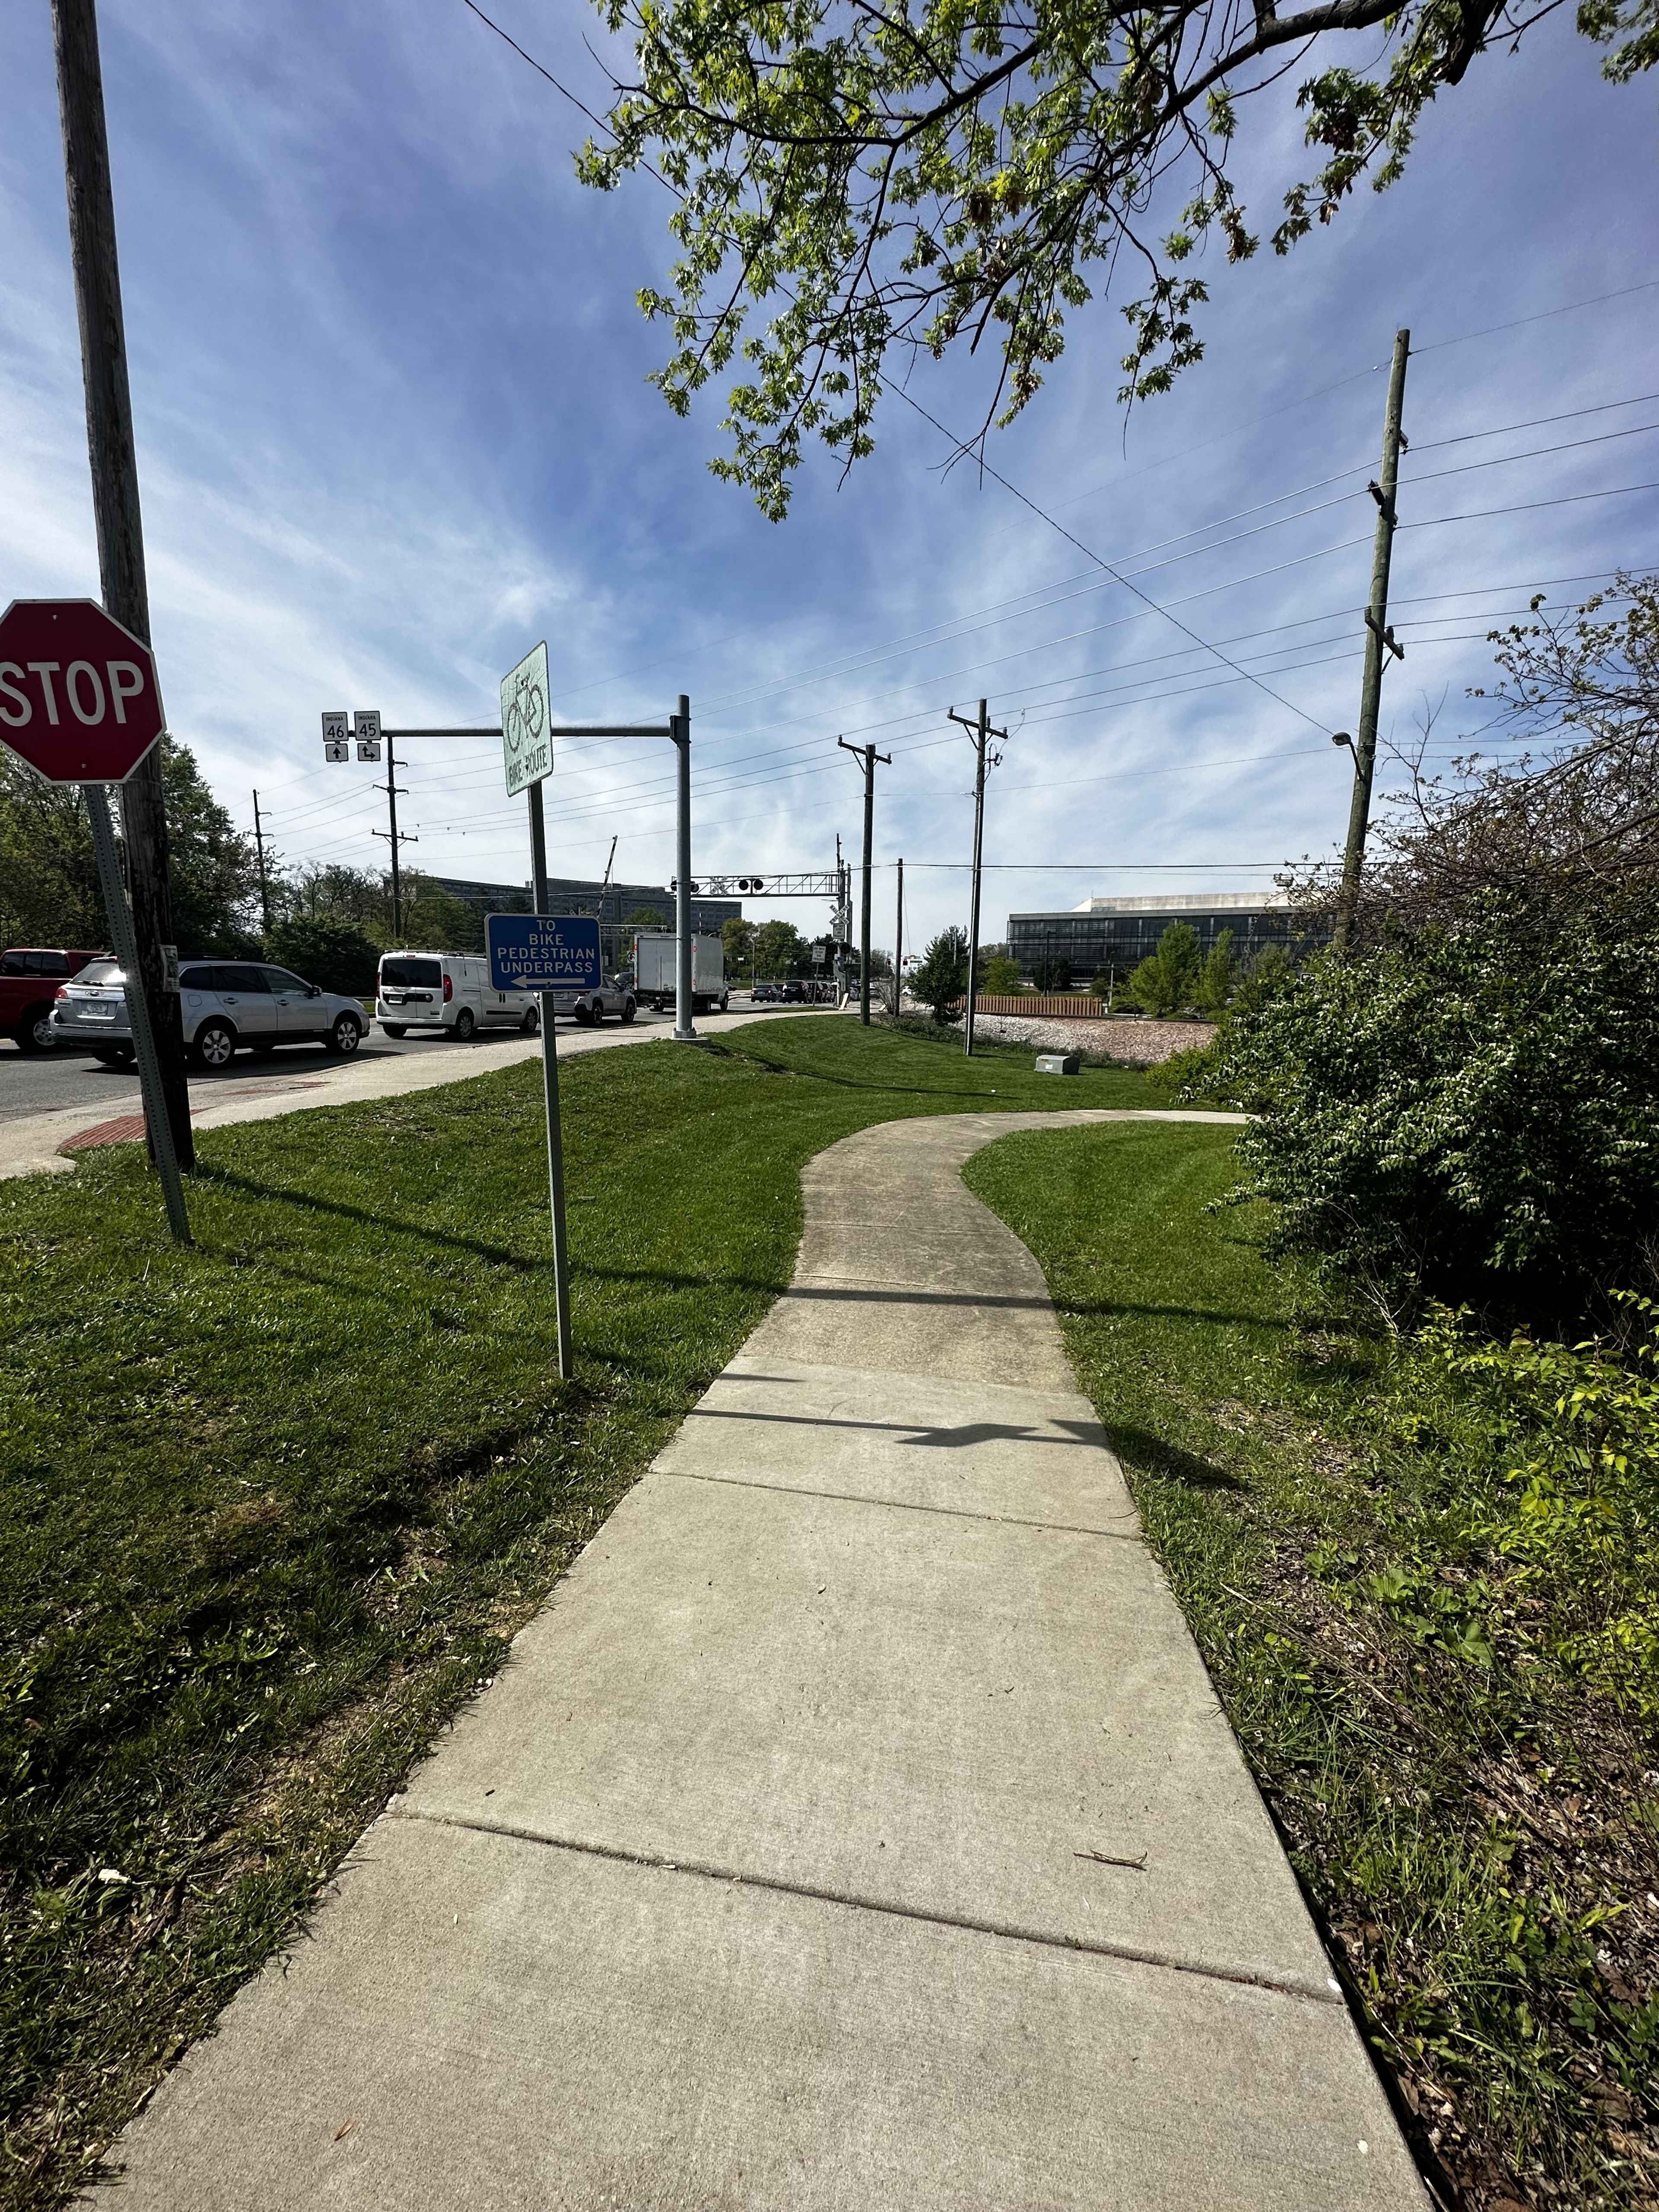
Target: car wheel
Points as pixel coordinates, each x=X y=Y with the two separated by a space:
x=214 y=1045
x=599 y=1013
x=628 y=1010
x=394 y=1028
x=723 y=999
x=34 y=1032
x=531 y=1021
x=464 y=1024
x=345 y=1036
x=584 y=1015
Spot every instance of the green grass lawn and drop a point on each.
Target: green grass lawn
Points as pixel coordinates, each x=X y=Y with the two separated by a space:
x=1476 y=1829
x=270 y=1507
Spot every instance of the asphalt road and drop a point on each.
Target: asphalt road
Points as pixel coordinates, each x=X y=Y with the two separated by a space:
x=42 y=1083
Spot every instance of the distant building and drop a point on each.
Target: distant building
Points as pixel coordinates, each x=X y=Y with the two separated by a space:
x=1111 y=935
x=616 y=904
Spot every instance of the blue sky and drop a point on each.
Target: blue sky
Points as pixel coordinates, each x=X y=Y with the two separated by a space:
x=394 y=427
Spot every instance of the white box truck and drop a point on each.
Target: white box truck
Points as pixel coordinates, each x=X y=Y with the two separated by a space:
x=656 y=972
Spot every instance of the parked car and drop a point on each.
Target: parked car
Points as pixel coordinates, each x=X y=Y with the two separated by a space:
x=447 y=991
x=29 y=977
x=224 y=1005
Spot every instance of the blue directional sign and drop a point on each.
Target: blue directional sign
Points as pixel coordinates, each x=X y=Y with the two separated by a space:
x=543 y=951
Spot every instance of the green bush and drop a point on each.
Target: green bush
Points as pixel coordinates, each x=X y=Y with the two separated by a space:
x=335 y=954
x=999 y=977
x=1469 y=1117
x=1569 y=1518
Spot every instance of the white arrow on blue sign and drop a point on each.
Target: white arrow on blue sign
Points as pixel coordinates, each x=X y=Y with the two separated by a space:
x=543 y=951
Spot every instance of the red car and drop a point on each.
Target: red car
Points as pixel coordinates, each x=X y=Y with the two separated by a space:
x=29 y=978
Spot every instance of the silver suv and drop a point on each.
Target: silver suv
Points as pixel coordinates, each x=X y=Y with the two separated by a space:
x=224 y=1004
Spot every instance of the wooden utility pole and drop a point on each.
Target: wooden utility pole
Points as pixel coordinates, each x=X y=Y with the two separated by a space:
x=265 y=883
x=869 y=755
x=117 y=513
x=1379 y=643
x=398 y=838
x=898 y=946
x=980 y=730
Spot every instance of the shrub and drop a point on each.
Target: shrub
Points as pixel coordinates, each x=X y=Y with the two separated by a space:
x=1468 y=1115
x=999 y=977
x=1572 y=1521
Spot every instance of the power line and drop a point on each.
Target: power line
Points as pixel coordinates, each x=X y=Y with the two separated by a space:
x=1537 y=422
x=1543 y=315
x=1529 y=507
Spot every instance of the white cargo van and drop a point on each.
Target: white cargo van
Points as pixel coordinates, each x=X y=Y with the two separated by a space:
x=445 y=991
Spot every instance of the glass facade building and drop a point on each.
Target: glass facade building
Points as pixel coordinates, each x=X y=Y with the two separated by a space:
x=1110 y=936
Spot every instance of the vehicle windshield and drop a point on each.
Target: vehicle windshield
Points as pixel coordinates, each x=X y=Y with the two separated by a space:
x=101 y=971
x=401 y=973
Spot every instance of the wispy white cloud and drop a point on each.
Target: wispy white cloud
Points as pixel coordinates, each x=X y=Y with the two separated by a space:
x=394 y=424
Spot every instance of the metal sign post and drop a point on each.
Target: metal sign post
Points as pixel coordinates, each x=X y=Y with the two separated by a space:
x=539 y=953
x=527 y=757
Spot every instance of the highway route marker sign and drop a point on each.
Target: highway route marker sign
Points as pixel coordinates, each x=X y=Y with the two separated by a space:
x=78 y=696
x=526 y=738
x=543 y=951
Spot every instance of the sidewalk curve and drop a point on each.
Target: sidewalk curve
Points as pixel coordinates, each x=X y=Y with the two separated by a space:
x=855 y=1830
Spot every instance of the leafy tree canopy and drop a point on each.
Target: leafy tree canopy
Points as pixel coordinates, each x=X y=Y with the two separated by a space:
x=335 y=954
x=49 y=892
x=780 y=950
x=942 y=978
x=928 y=172
x=1169 y=979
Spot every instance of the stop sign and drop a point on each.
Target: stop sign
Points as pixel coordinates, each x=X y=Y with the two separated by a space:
x=78 y=696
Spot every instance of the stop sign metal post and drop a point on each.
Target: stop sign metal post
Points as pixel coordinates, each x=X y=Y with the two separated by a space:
x=79 y=702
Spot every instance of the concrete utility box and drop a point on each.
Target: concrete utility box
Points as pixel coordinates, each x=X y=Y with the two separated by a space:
x=1057 y=1063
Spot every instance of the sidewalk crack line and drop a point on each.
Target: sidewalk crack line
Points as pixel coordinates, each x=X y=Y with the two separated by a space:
x=904 y=1505
x=1005 y=1931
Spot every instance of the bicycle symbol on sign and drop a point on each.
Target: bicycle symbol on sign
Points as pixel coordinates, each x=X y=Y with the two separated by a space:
x=526 y=717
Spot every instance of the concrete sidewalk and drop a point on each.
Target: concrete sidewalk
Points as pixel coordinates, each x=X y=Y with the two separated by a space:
x=855 y=1830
